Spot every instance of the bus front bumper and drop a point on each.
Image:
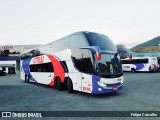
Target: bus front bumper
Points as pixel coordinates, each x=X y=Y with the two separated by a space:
x=103 y=90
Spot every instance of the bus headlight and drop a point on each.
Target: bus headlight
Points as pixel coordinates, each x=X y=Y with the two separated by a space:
x=121 y=81
x=101 y=84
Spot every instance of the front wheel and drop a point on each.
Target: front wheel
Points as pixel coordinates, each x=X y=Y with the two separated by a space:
x=25 y=78
x=59 y=84
x=133 y=70
x=69 y=85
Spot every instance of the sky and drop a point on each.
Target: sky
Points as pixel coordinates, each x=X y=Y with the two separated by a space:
x=128 y=22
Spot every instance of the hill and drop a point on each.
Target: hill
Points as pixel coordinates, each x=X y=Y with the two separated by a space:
x=148 y=46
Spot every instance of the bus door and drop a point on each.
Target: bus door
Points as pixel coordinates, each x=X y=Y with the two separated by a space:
x=87 y=71
x=86 y=82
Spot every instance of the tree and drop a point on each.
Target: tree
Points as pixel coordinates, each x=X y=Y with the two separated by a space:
x=121 y=47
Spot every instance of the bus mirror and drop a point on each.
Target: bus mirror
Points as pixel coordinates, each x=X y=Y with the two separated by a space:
x=95 y=49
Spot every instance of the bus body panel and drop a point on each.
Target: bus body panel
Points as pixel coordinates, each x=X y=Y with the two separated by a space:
x=149 y=66
x=51 y=61
x=99 y=89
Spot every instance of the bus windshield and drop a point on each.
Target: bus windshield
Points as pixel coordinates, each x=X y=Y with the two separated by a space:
x=102 y=41
x=109 y=66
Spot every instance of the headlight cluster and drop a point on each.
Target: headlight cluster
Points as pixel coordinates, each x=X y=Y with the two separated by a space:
x=121 y=81
x=101 y=84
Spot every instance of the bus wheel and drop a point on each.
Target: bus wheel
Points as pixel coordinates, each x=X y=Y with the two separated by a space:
x=69 y=85
x=25 y=78
x=29 y=80
x=59 y=84
x=133 y=70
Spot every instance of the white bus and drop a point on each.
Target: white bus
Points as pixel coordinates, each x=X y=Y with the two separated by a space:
x=82 y=61
x=146 y=64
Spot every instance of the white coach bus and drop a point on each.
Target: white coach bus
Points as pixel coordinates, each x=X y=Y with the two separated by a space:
x=82 y=61
x=145 y=64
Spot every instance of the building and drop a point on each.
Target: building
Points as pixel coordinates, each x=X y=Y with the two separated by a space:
x=10 y=57
x=149 y=48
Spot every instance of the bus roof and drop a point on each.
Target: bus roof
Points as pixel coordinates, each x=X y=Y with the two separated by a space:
x=80 y=32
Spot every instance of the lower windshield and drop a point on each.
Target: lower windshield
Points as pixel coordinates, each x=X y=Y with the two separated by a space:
x=108 y=66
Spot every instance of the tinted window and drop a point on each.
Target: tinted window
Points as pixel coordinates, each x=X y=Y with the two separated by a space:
x=45 y=67
x=3 y=68
x=102 y=41
x=135 y=61
x=77 y=40
x=64 y=65
x=158 y=60
x=144 y=60
x=82 y=60
x=124 y=61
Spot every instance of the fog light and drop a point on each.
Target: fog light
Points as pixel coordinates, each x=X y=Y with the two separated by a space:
x=99 y=89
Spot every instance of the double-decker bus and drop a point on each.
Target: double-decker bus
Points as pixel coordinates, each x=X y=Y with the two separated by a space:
x=144 y=64
x=82 y=61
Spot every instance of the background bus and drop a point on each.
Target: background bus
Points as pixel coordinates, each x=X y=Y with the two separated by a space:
x=158 y=59
x=82 y=61
x=148 y=64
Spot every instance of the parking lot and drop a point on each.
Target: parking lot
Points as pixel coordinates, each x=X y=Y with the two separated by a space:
x=140 y=93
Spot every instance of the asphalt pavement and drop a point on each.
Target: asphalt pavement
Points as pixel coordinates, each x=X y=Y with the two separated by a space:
x=140 y=93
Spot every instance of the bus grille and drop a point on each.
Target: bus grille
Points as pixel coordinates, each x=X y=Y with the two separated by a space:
x=113 y=85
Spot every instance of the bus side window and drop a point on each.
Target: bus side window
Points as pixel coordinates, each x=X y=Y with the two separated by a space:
x=82 y=60
x=64 y=65
x=45 y=67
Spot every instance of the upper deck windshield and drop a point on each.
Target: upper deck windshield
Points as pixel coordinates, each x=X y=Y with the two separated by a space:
x=102 y=41
x=109 y=66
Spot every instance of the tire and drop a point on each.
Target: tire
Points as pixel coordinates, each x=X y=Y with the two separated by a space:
x=29 y=80
x=133 y=70
x=69 y=85
x=59 y=84
x=65 y=85
x=25 y=78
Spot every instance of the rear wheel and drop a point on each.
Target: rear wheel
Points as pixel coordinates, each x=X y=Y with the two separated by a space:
x=29 y=80
x=133 y=70
x=25 y=78
x=69 y=85
x=59 y=84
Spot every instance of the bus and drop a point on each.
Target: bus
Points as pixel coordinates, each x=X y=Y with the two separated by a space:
x=144 y=64
x=158 y=59
x=83 y=61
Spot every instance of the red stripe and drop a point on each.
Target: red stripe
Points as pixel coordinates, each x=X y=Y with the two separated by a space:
x=58 y=70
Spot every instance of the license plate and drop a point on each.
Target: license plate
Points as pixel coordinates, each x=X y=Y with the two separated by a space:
x=115 y=88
